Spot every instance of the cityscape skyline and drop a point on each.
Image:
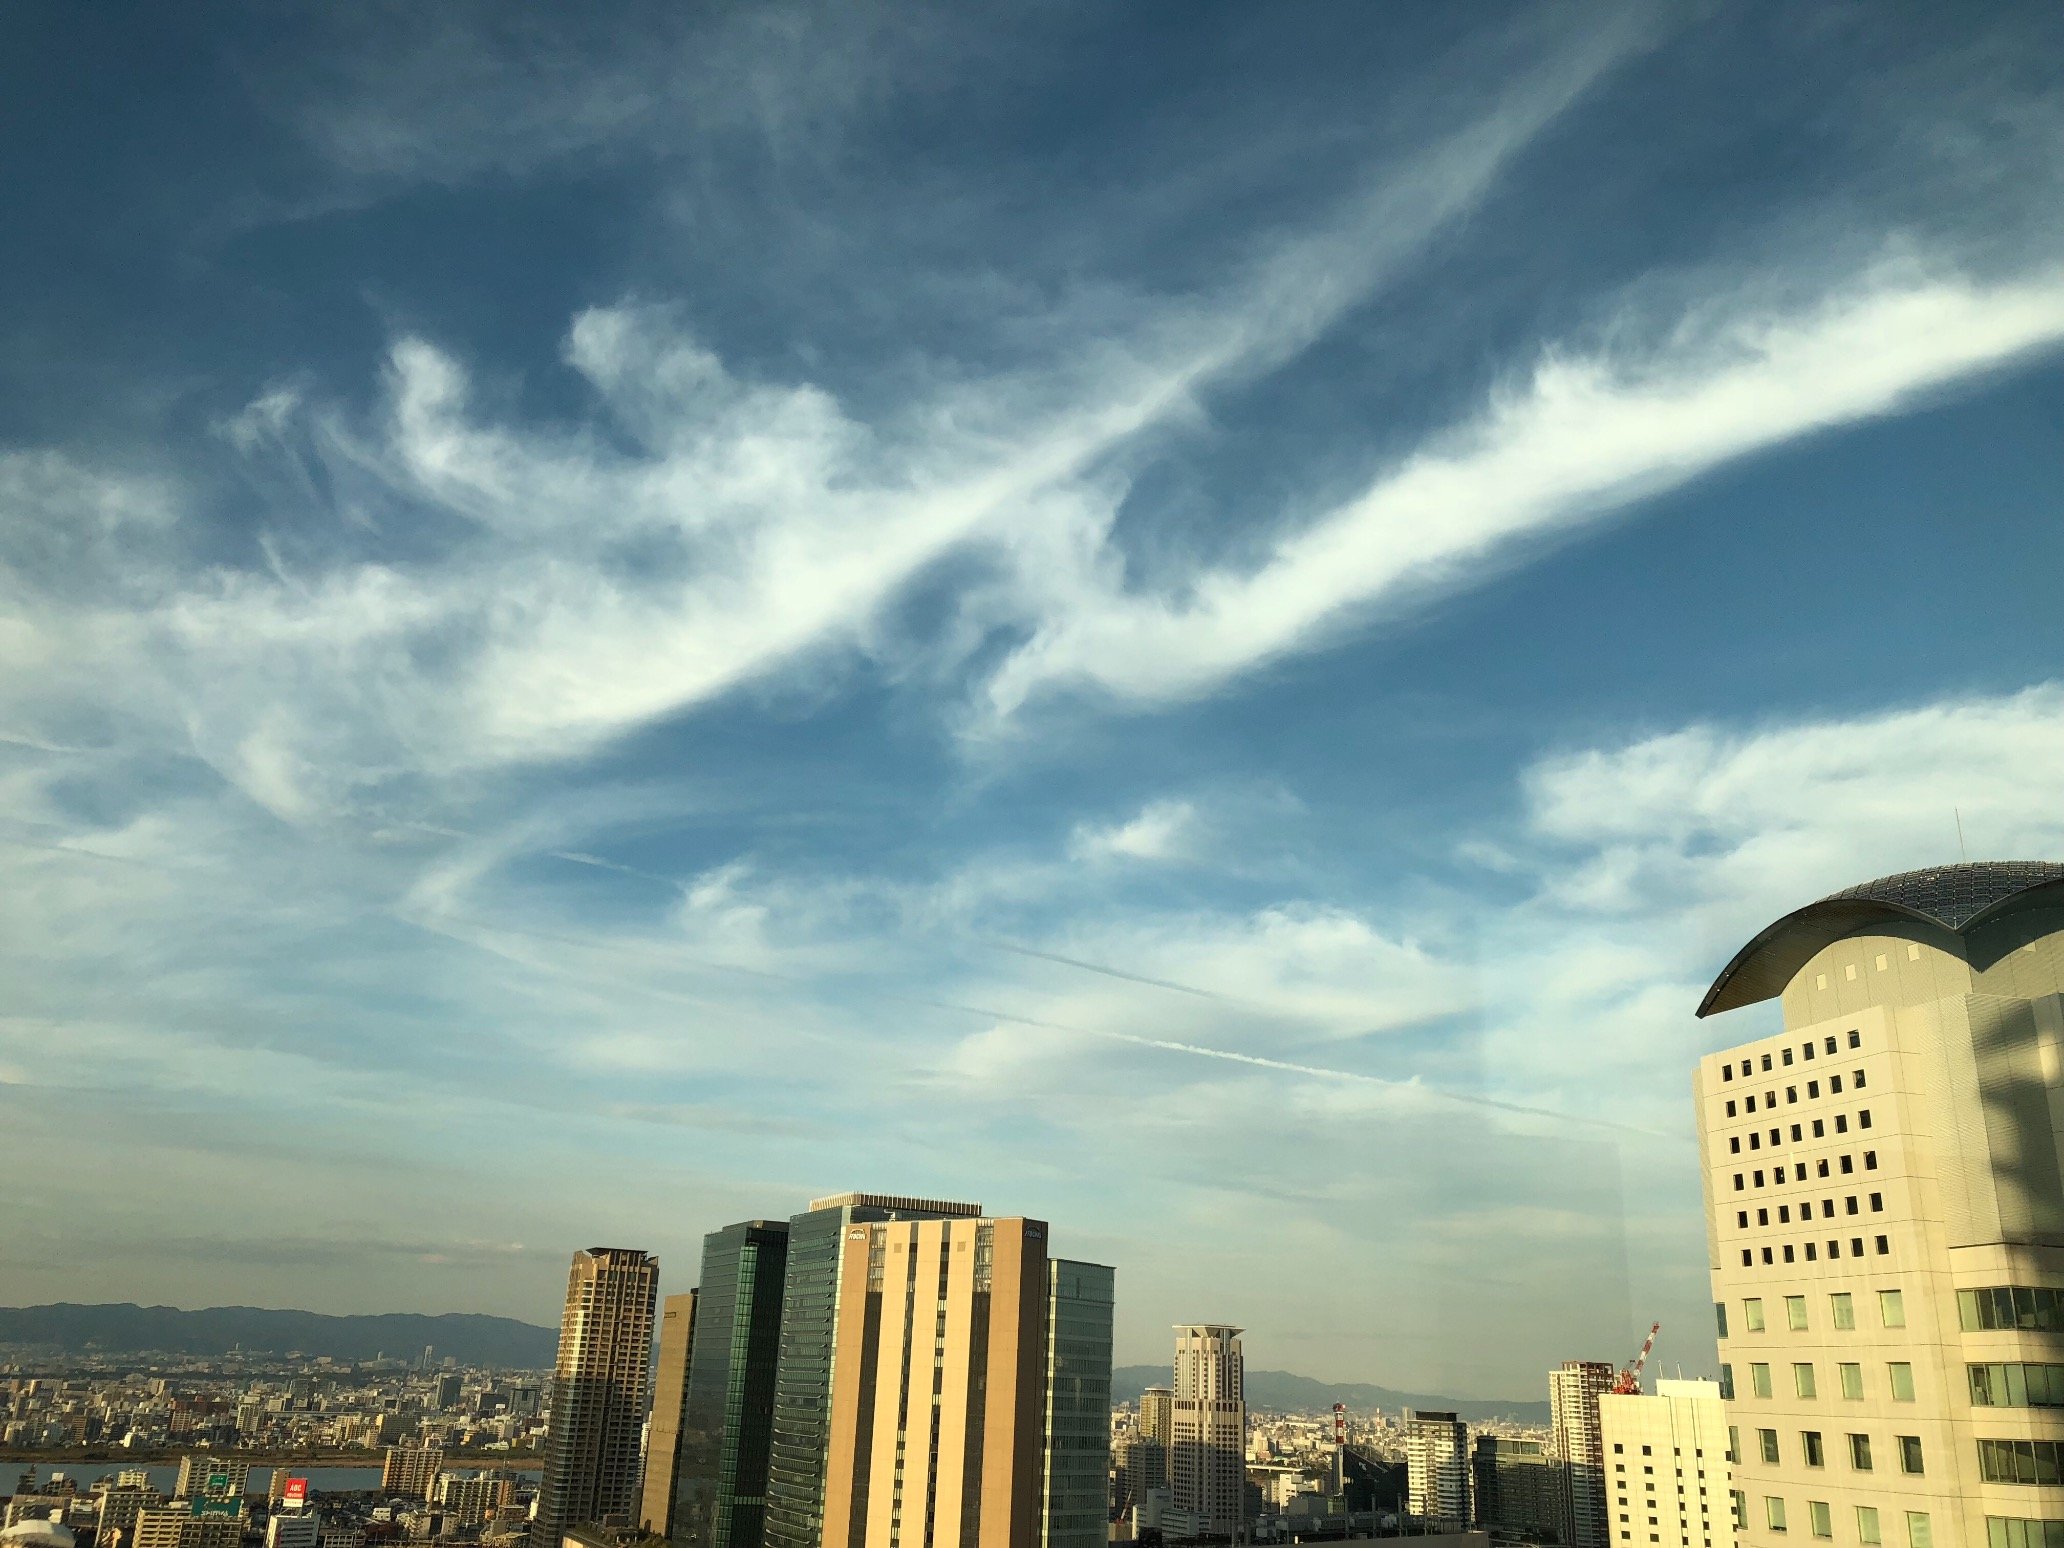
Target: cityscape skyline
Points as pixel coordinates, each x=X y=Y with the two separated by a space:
x=612 y=621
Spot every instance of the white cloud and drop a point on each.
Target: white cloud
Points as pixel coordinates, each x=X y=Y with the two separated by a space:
x=1584 y=437
x=1162 y=830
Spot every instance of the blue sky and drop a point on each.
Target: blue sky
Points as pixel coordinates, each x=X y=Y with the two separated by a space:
x=1202 y=622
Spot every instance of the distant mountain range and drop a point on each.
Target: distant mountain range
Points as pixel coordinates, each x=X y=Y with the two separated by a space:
x=1289 y=1393
x=506 y=1343
x=472 y=1340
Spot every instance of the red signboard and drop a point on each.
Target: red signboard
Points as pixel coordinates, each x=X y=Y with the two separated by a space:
x=294 y=1493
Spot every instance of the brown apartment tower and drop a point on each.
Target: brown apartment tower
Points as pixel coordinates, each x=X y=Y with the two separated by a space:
x=599 y=1392
x=669 y=1412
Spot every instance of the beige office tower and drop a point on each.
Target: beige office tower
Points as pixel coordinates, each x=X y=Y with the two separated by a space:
x=1207 y=1450
x=669 y=1406
x=600 y=1386
x=936 y=1430
x=1666 y=1461
x=1156 y=1415
x=1885 y=1214
x=211 y=1478
x=1437 y=1470
x=1574 y=1388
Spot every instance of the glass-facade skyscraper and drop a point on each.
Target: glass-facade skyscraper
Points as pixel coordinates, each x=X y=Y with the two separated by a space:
x=1075 y=1503
x=720 y=1490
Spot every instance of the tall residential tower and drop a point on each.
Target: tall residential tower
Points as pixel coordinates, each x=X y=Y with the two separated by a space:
x=1207 y=1453
x=599 y=1392
x=1885 y=1214
x=1574 y=1388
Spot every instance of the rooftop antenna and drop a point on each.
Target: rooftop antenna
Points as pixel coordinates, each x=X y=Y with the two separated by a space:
x=1960 y=836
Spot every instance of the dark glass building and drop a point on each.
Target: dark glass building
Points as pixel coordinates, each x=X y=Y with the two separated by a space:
x=720 y=1493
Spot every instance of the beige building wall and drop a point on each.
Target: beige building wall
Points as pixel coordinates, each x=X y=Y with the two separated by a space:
x=938 y=1385
x=1666 y=1473
x=180 y=1528
x=669 y=1405
x=1873 y=1174
x=1207 y=1455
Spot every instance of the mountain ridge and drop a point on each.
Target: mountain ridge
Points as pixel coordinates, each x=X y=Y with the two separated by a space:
x=475 y=1339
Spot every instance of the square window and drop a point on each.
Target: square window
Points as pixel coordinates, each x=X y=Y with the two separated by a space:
x=1818 y=1518
x=1730 y=1109
x=1788 y=1252
x=1755 y=1142
x=1848 y=1165
x=1870 y=1160
x=1849 y=1205
x=1910 y=1455
x=1759 y=1383
x=1777 y=1172
x=1752 y=1314
x=1841 y=1123
x=1812 y=1089
x=1773 y=1512
x=1802 y=1379
x=1759 y=1179
x=1855 y=1246
x=1767 y=1258
x=1827 y=1209
x=1748 y=1104
x=1727 y=1071
x=1863 y=1119
x=1855 y=1039
x=1852 y=1381
x=1788 y=1056
x=1884 y=1246
x=1877 y=1203
x=1784 y=1214
x=1867 y=1526
x=1834 y=1085
x=1741 y=1219
x=1734 y=1144
x=1773 y=1143
x=1918 y=1532
x=1795 y=1313
x=1819 y=1128
x=1892 y=1308
x=1766 y=1061
x=1856 y=1079
x=1901 y=1374
x=1859 y=1453
x=1737 y=1182
x=1748 y=1257
x=1796 y=1136
x=1766 y=1441
x=1791 y=1093
x=1809 y=1444
x=1830 y=1045
x=1834 y=1249
x=1823 y=1166
x=1843 y=1307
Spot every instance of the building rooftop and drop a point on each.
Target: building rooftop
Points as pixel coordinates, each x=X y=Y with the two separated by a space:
x=1951 y=898
x=894 y=1201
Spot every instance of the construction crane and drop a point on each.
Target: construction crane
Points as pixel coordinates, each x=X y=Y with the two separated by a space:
x=1629 y=1380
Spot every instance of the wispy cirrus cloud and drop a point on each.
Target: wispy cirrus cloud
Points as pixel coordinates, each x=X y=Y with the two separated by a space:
x=1582 y=438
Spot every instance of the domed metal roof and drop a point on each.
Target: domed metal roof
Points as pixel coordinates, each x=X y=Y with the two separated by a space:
x=1950 y=897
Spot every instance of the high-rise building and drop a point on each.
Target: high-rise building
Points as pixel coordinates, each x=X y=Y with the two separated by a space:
x=815 y=1306
x=599 y=1391
x=470 y=1498
x=720 y=1491
x=1885 y=1214
x=1437 y=1469
x=444 y=1391
x=1075 y=1510
x=178 y=1526
x=1141 y=1463
x=1666 y=1458
x=411 y=1470
x=1574 y=1388
x=119 y=1508
x=1517 y=1487
x=669 y=1408
x=294 y=1529
x=211 y=1478
x=1207 y=1453
x=1157 y=1415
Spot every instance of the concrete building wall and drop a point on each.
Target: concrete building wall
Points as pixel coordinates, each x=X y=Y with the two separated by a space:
x=1667 y=1477
x=1873 y=1173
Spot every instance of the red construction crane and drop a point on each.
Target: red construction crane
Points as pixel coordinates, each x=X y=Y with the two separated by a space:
x=1629 y=1380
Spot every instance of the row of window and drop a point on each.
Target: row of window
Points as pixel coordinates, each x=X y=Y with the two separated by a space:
x=1850 y=1206
x=2022 y=1308
x=2020 y=1532
x=1791 y=1093
x=1841 y=1311
x=1846 y=1164
x=1848 y=1376
x=2021 y=1461
x=1799 y=1131
x=1881 y=1244
x=2012 y=1385
x=1820 y=1521
x=1813 y=1449
x=1805 y=1052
